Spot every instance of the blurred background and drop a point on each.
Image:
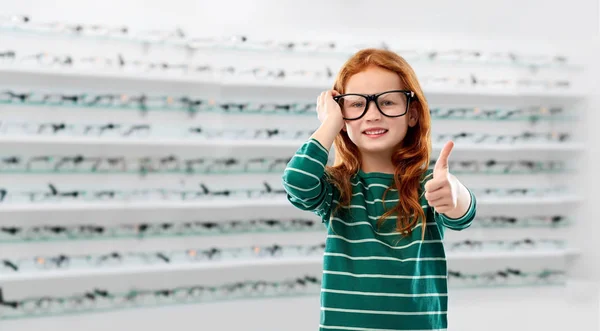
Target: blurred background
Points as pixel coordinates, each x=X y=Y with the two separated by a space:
x=143 y=143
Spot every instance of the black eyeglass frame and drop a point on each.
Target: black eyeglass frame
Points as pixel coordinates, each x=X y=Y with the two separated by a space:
x=374 y=97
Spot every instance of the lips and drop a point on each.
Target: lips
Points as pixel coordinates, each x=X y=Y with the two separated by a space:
x=375 y=131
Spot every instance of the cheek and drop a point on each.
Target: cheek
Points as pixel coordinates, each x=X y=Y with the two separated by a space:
x=353 y=130
x=400 y=126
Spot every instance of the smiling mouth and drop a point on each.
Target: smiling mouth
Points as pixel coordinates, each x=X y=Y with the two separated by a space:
x=375 y=132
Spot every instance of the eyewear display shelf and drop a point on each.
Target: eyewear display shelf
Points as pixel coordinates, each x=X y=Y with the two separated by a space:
x=124 y=183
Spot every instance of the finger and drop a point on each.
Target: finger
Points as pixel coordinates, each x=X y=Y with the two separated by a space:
x=321 y=100
x=442 y=161
x=434 y=185
x=435 y=196
x=335 y=93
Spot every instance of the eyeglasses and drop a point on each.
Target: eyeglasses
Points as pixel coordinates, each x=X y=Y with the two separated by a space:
x=505 y=245
x=523 y=138
x=493 y=166
x=143 y=165
x=98 y=299
x=472 y=80
x=506 y=277
x=264 y=73
x=498 y=114
x=520 y=192
x=177 y=37
x=534 y=61
x=391 y=103
x=525 y=222
x=142 y=102
x=122 y=259
x=71 y=232
x=146 y=102
x=54 y=195
x=145 y=131
x=120 y=63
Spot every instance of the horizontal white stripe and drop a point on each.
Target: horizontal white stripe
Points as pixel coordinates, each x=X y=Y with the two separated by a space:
x=349 y=274
x=301 y=189
x=378 y=200
x=391 y=217
x=299 y=201
x=310 y=158
x=370 y=185
x=354 y=206
x=386 y=258
x=383 y=312
x=350 y=328
x=418 y=225
x=377 y=294
x=302 y=172
x=358 y=241
x=313 y=141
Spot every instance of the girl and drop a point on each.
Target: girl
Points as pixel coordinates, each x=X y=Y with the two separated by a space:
x=385 y=211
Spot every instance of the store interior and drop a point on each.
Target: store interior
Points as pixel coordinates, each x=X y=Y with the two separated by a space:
x=143 y=144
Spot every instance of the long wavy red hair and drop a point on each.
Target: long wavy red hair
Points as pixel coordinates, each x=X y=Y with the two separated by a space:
x=411 y=158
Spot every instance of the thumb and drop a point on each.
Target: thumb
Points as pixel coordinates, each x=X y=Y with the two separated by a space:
x=442 y=162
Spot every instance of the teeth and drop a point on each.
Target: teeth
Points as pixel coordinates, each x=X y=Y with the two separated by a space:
x=375 y=132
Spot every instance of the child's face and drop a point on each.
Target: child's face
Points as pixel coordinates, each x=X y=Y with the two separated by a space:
x=375 y=80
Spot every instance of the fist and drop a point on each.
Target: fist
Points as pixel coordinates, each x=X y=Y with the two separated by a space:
x=328 y=109
x=441 y=191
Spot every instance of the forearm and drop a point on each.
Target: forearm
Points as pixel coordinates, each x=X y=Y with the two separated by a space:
x=462 y=204
x=304 y=178
x=326 y=134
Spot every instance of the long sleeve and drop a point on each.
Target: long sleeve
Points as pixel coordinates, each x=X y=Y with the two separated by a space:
x=460 y=223
x=456 y=224
x=305 y=180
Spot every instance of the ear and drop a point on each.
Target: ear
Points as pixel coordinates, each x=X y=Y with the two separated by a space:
x=413 y=116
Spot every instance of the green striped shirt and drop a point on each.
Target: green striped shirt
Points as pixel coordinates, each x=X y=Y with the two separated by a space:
x=373 y=278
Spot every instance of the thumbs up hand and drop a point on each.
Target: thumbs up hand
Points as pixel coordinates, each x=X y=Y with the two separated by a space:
x=444 y=190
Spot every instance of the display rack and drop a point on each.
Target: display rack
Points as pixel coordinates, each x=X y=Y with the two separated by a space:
x=276 y=72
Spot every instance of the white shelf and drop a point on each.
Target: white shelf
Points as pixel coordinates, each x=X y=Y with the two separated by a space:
x=159 y=268
x=292 y=145
x=274 y=262
x=217 y=204
x=168 y=205
x=49 y=74
x=555 y=147
x=516 y=254
x=551 y=200
x=158 y=141
x=226 y=204
x=8 y=74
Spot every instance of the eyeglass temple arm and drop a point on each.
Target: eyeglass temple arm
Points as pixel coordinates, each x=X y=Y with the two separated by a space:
x=13 y=304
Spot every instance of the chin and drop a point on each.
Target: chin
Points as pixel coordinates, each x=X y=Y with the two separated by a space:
x=375 y=147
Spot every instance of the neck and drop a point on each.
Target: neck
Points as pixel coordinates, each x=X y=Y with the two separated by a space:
x=377 y=162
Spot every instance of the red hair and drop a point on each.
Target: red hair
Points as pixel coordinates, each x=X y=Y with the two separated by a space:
x=410 y=159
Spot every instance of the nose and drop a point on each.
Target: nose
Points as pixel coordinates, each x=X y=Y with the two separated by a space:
x=373 y=113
